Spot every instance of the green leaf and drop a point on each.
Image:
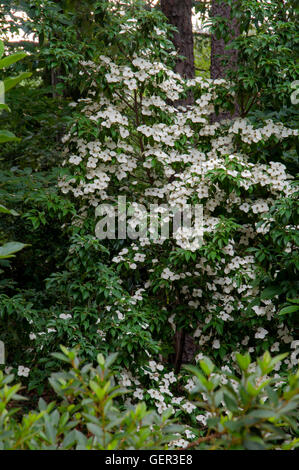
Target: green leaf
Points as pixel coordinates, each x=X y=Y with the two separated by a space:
x=96 y=430
x=262 y=413
x=293 y=301
x=4 y=106
x=289 y=309
x=69 y=440
x=12 y=82
x=243 y=361
x=276 y=359
x=251 y=389
x=6 y=136
x=11 y=59
x=110 y=360
x=253 y=443
x=8 y=250
x=4 y=210
x=207 y=366
x=270 y=292
x=101 y=360
x=203 y=381
x=231 y=403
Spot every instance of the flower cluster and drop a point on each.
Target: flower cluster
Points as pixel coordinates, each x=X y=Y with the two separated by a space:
x=147 y=147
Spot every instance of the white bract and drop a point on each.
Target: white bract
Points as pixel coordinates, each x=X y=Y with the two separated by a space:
x=152 y=151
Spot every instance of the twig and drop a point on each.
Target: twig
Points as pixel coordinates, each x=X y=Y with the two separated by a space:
x=203 y=439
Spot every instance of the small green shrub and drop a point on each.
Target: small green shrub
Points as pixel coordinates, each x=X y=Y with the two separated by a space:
x=86 y=417
x=253 y=411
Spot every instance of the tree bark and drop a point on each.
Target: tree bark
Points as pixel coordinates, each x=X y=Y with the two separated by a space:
x=219 y=69
x=179 y=14
x=218 y=51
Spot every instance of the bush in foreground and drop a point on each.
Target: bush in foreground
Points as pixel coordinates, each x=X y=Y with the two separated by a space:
x=249 y=411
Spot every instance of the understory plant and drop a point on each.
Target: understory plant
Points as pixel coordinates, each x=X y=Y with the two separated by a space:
x=252 y=409
x=11 y=247
x=86 y=415
x=248 y=411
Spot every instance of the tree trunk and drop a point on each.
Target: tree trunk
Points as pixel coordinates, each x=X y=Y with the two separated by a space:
x=218 y=52
x=179 y=14
x=219 y=69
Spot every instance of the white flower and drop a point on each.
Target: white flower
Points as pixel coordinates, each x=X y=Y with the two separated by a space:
x=164 y=389
x=152 y=365
x=139 y=257
x=199 y=357
x=180 y=443
x=102 y=334
x=166 y=273
x=133 y=265
x=65 y=316
x=259 y=310
x=189 y=434
x=261 y=333
x=274 y=347
x=51 y=330
x=23 y=371
x=170 y=377
x=245 y=341
x=120 y=315
x=201 y=419
x=75 y=159
x=188 y=407
x=177 y=400
x=190 y=385
x=138 y=393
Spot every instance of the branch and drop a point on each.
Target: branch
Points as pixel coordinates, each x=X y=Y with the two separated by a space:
x=202 y=33
x=203 y=439
x=202 y=70
x=124 y=100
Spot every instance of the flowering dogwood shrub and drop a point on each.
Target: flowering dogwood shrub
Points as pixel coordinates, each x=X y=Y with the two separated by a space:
x=154 y=291
x=131 y=138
